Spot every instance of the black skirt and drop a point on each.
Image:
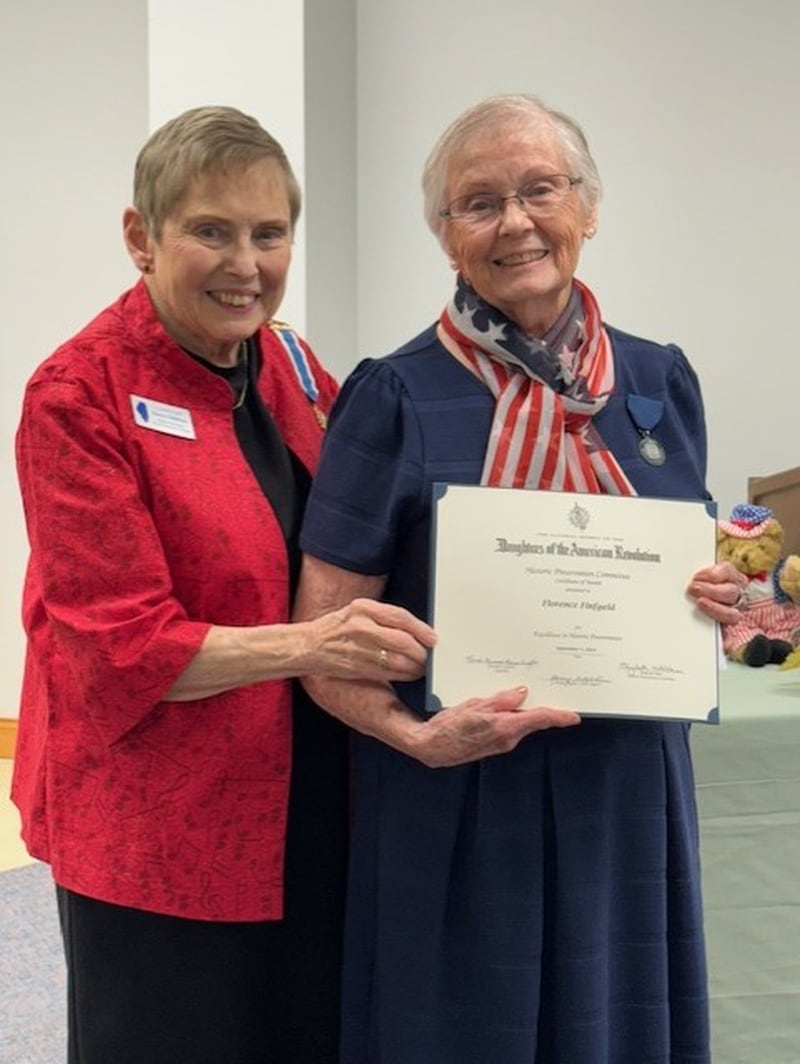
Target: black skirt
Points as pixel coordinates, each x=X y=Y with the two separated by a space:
x=144 y=988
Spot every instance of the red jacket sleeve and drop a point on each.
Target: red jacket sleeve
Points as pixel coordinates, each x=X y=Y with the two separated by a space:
x=97 y=571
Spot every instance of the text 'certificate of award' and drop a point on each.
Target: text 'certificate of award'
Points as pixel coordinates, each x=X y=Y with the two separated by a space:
x=581 y=598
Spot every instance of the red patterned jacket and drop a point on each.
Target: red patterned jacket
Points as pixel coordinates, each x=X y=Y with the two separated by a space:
x=140 y=540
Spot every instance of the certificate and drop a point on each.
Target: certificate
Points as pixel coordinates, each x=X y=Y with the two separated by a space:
x=581 y=598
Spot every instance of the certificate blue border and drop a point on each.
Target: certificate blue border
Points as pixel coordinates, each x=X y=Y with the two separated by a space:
x=433 y=702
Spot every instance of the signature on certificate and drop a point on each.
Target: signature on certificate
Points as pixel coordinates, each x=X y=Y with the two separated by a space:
x=586 y=680
x=639 y=670
x=501 y=664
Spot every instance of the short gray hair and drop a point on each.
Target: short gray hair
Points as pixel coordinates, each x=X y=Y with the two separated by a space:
x=513 y=109
x=196 y=142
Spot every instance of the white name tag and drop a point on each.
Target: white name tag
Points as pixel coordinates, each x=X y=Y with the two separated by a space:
x=161 y=417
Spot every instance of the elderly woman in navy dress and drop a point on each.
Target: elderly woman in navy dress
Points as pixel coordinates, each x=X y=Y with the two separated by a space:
x=543 y=906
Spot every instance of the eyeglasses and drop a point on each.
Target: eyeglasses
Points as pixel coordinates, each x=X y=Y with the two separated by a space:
x=539 y=198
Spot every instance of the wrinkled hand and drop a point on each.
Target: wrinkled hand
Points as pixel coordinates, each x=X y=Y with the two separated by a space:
x=369 y=640
x=716 y=591
x=482 y=727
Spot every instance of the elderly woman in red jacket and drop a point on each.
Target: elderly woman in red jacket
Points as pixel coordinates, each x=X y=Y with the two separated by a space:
x=190 y=800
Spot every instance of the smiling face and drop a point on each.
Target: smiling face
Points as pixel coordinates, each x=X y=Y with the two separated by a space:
x=521 y=265
x=218 y=270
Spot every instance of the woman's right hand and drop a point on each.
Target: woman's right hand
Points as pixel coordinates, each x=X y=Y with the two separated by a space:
x=346 y=641
x=365 y=640
x=481 y=727
x=368 y=640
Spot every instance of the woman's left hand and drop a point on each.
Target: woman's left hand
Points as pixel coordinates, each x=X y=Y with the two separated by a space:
x=716 y=590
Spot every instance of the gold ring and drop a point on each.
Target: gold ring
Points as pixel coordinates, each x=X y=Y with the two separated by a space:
x=383 y=659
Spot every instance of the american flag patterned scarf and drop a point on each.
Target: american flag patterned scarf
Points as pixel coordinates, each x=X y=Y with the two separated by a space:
x=546 y=393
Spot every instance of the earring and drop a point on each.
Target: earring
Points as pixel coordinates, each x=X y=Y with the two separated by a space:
x=146 y=267
x=590 y=233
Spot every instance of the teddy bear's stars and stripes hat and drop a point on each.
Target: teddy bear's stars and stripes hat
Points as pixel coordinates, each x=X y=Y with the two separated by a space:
x=747 y=521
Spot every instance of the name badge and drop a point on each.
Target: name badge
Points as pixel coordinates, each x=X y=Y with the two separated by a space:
x=162 y=417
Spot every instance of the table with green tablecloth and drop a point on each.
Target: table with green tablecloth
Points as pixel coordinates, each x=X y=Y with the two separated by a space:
x=748 y=790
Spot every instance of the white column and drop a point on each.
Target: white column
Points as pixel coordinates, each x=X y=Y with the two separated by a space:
x=247 y=54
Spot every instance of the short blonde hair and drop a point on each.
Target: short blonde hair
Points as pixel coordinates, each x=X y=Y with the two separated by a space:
x=518 y=110
x=194 y=143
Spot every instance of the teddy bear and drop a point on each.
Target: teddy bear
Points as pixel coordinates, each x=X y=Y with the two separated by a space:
x=769 y=629
x=790 y=583
x=792 y=661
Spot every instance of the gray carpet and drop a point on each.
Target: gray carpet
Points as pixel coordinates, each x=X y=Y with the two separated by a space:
x=33 y=980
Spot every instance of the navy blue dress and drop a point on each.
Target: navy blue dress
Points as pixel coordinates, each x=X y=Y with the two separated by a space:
x=543 y=906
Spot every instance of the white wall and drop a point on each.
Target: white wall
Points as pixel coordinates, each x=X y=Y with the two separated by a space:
x=692 y=113
x=246 y=54
x=73 y=104
x=80 y=90
x=691 y=110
